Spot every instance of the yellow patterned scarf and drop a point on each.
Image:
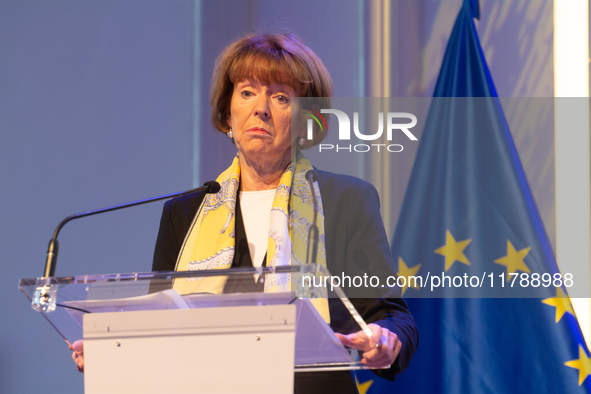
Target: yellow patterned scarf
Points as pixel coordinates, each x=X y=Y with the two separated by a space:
x=210 y=241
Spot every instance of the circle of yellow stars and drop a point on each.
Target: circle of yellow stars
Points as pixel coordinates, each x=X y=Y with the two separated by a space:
x=514 y=261
x=454 y=251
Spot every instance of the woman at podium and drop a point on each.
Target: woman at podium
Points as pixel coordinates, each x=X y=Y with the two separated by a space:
x=265 y=187
x=266 y=196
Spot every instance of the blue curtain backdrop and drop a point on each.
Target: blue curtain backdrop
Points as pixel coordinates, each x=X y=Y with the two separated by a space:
x=468 y=209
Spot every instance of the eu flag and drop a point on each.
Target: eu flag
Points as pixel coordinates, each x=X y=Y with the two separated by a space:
x=468 y=209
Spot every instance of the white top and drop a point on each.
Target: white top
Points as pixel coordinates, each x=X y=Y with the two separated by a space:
x=256 y=215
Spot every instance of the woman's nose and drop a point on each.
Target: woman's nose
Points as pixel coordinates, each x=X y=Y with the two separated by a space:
x=262 y=108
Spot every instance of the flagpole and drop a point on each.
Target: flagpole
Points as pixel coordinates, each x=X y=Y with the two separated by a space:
x=572 y=157
x=380 y=86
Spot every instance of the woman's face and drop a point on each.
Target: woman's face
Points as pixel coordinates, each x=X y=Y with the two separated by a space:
x=260 y=118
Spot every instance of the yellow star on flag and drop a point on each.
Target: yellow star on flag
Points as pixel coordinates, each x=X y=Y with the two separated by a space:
x=561 y=303
x=514 y=260
x=583 y=364
x=453 y=250
x=405 y=272
x=363 y=387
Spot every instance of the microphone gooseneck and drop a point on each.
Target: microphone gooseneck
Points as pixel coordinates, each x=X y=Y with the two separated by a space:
x=312 y=251
x=52 y=249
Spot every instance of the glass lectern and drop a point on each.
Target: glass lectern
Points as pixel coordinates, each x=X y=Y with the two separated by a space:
x=146 y=333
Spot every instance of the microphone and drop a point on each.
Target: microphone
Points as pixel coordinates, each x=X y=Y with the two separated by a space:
x=312 y=175
x=52 y=249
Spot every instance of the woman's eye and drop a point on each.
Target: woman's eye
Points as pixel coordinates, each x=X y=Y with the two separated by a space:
x=246 y=94
x=282 y=99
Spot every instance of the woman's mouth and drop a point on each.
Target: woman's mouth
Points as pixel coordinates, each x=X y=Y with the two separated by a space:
x=258 y=130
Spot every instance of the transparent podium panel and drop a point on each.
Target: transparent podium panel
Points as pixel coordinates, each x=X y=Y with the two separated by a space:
x=64 y=301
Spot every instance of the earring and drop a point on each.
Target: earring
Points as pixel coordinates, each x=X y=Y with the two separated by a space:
x=229 y=133
x=301 y=141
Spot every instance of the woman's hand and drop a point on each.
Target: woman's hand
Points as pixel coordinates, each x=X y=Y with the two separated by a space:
x=381 y=356
x=78 y=354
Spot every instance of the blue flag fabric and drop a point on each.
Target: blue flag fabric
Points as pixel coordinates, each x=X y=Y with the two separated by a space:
x=468 y=209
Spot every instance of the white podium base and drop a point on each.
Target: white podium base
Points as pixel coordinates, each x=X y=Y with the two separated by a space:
x=247 y=349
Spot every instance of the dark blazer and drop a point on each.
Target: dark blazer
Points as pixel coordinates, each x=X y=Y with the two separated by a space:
x=356 y=244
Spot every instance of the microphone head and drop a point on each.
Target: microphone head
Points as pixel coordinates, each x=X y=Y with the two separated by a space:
x=311 y=175
x=214 y=187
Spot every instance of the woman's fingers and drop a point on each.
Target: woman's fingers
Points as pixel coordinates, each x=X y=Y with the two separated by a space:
x=78 y=360
x=380 y=351
x=78 y=346
x=77 y=354
x=385 y=354
x=357 y=341
x=382 y=361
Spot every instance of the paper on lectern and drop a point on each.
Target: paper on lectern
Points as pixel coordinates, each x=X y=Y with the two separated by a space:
x=167 y=299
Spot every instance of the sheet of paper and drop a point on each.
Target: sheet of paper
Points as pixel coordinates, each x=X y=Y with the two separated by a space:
x=237 y=299
x=167 y=299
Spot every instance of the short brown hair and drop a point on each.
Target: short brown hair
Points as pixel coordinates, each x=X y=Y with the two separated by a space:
x=269 y=58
